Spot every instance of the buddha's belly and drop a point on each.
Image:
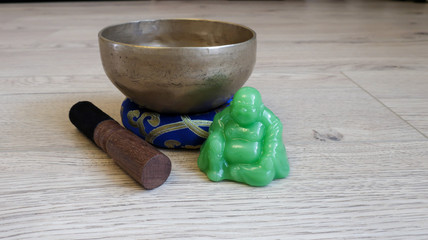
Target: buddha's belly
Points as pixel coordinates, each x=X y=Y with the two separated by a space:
x=241 y=151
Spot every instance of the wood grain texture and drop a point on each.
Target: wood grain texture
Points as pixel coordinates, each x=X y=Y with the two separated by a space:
x=140 y=160
x=404 y=92
x=346 y=78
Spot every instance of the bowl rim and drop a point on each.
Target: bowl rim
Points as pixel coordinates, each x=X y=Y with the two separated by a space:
x=253 y=38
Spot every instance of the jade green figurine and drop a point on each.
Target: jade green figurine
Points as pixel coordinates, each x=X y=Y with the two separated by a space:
x=245 y=143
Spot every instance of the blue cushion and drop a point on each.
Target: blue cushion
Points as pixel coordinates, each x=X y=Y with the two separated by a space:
x=166 y=130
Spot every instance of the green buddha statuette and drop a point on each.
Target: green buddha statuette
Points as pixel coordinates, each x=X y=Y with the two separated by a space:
x=245 y=143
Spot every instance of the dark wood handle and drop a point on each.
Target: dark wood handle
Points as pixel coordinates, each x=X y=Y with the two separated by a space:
x=136 y=157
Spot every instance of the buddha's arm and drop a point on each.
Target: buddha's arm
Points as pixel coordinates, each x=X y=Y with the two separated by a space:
x=273 y=146
x=211 y=158
x=216 y=140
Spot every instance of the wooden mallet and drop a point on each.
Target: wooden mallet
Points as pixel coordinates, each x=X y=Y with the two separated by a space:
x=136 y=157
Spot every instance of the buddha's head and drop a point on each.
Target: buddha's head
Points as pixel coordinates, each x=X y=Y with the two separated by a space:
x=246 y=107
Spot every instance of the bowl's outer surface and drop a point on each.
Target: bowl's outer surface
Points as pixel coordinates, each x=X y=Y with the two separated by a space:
x=178 y=79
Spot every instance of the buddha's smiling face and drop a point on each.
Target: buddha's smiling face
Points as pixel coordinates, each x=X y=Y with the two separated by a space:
x=246 y=107
x=244 y=114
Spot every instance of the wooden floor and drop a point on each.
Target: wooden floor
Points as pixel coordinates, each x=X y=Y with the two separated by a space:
x=348 y=79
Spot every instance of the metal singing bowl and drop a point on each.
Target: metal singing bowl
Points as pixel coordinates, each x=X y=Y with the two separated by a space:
x=178 y=65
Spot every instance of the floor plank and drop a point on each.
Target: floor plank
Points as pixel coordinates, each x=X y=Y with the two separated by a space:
x=404 y=92
x=311 y=105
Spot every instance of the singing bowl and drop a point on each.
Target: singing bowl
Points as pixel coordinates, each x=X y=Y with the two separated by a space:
x=178 y=66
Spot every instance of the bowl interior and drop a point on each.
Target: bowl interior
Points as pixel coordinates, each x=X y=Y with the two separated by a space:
x=177 y=33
